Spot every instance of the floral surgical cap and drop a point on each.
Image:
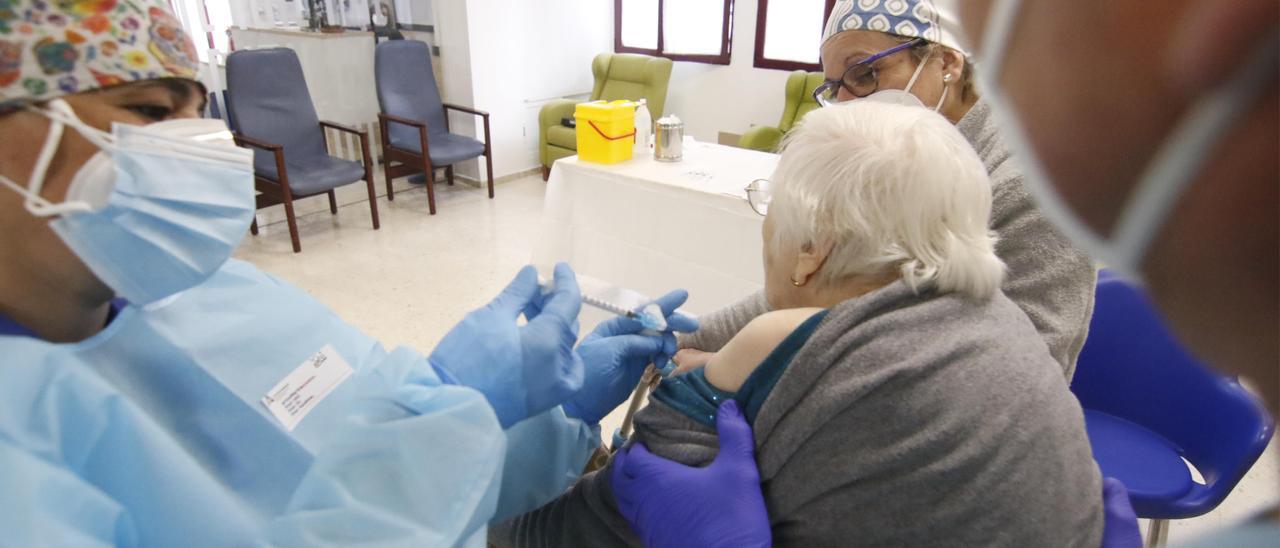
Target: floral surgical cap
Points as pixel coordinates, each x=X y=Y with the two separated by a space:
x=50 y=48
x=933 y=20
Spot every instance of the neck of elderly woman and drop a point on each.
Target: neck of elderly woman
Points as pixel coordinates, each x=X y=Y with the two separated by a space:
x=830 y=294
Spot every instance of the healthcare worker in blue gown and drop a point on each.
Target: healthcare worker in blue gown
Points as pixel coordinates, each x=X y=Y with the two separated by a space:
x=155 y=393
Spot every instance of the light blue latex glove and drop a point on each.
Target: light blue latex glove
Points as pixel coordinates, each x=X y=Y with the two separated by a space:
x=521 y=370
x=615 y=355
x=719 y=505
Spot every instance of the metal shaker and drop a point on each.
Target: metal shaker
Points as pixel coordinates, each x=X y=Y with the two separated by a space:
x=668 y=140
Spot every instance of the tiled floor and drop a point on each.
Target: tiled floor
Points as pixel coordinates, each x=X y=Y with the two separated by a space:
x=409 y=282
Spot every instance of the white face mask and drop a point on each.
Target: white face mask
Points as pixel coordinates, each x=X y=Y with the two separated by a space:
x=1168 y=174
x=904 y=96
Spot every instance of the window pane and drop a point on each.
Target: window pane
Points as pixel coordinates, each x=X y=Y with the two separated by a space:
x=640 y=23
x=693 y=26
x=188 y=12
x=220 y=20
x=793 y=30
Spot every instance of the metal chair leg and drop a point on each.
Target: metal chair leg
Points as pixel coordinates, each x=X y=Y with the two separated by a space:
x=1157 y=533
x=333 y=203
x=448 y=174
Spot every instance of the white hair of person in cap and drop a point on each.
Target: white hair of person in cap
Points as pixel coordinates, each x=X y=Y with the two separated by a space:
x=878 y=190
x=907 y=48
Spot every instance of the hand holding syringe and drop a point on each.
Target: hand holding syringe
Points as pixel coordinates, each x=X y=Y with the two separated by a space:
x=619 y=349
x=649 y=315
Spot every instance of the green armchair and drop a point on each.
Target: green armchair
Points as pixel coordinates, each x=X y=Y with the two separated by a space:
x=800 y=86
x=618 y=76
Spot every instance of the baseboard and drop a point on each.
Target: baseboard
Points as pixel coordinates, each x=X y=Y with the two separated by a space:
x=469 y=181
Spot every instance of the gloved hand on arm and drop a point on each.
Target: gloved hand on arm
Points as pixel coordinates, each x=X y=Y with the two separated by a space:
x=521 y=370
x=615 y=355
x=720 y=505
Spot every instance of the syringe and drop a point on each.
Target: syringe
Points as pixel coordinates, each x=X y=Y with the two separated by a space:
x=608 y=307
x=650 y=316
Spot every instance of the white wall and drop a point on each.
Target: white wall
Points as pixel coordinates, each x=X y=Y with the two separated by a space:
x=715 y=98
x=508 y=58
x=452 y=32
x=420 y=12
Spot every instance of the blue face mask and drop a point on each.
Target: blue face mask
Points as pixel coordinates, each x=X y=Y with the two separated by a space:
x=157 y=210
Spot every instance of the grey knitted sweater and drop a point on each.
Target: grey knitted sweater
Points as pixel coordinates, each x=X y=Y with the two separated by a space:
x=904 y=420
x=1049 y=278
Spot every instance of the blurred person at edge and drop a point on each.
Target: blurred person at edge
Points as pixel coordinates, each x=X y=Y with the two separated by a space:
x=1152 y=142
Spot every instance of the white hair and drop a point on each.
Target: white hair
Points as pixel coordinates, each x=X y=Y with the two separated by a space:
x=888 y=187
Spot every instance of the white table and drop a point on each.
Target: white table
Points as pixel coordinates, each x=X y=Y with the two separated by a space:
x=653 y=226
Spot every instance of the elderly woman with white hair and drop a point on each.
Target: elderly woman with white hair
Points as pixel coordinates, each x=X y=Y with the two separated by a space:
x=908 y=51
x=898 y=397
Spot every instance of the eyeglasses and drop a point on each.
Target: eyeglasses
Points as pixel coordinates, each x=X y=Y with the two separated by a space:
x=861 y=79
x=759 y=194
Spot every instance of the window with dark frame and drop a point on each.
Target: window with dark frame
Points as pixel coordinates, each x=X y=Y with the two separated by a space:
x=194 y=13
x=685 y=30
x=792 y=41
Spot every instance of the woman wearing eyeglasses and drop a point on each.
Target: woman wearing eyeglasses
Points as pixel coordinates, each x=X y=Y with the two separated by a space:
x=907 y=51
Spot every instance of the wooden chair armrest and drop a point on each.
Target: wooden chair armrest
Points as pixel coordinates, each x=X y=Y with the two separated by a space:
x=400 y=120
x=466 y=109
x=242 y=140
x=342 y=127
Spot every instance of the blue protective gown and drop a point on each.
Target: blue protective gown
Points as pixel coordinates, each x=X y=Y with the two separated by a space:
x=152 y=433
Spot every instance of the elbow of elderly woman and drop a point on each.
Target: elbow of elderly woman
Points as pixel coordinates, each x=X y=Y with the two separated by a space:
x=897 y=396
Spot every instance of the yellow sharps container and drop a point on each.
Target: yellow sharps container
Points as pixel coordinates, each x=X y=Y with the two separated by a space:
x=606 y=131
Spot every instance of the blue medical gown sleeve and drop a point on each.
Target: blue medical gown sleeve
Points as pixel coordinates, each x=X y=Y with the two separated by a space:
x=37 y=494
x=545 y=455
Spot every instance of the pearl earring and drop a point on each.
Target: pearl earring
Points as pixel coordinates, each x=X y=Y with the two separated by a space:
x=946 y=78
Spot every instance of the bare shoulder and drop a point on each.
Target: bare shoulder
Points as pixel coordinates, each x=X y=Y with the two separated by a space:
x=734 y=363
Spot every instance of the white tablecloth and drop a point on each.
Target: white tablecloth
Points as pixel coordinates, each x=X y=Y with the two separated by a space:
x=653 y=226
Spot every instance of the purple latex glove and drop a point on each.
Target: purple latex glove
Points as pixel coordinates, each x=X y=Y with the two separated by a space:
x=1119 y=523
x=669 y=504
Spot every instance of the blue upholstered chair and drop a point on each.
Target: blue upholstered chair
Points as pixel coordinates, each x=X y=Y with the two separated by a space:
x=1148 y=404
x=413 y=119
x=270 y=109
